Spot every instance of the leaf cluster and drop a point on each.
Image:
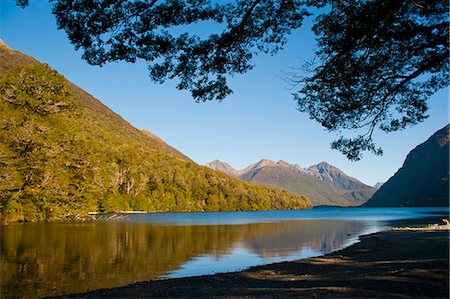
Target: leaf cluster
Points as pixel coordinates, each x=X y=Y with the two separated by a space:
x=37 y=89
x=378 y=64
x=153 y=31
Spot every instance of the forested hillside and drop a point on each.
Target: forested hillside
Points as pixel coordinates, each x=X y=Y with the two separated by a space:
x=64 y=153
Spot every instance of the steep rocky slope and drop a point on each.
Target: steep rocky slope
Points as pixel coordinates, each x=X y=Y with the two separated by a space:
x=423 y=180
x=334 y=176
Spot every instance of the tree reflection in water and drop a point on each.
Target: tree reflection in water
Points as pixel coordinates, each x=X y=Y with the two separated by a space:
x=44 y=259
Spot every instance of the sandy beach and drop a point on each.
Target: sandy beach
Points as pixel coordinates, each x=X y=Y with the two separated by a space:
x=390 y=264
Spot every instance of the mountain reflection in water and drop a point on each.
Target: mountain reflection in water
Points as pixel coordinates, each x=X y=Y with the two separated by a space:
x=45 y=259
x=321 y=236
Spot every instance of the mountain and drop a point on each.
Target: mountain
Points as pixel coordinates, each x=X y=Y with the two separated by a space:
x=295 y=181
x=223 y=167
x=324 y=184
x=378 y=185
x=334 y=176
x=423 y=180
x=63 y=154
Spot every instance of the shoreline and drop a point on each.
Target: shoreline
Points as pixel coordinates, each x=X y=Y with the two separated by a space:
x=387 y=264
x=123 y=215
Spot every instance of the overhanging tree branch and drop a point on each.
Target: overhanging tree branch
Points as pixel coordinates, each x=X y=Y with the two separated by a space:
x=379 y=61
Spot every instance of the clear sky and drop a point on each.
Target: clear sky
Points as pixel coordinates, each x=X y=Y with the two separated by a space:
x=259 y=120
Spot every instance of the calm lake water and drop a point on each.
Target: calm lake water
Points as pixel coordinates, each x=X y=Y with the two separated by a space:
x=47 y=259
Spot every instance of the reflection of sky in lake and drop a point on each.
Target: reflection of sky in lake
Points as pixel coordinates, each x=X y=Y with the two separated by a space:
x=50 y=259
x=238 y=259
x=307 y=239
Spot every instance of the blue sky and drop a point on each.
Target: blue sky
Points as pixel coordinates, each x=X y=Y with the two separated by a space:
x=259 y=120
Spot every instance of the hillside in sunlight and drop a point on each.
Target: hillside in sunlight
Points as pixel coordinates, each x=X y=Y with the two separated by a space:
x=323 y=184
x=63 y=153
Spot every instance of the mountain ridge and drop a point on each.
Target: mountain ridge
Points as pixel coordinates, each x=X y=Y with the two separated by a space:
x=423 y=179
x=323 y=183
x=378 y=185
x=335 y=176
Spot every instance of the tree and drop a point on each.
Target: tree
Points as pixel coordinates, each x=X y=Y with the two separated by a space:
x=377 y=62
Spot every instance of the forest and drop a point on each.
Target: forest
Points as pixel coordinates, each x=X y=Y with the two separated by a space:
x=63 y=154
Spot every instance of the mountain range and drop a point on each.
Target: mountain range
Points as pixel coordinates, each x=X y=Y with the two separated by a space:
x=423 y=180
x=323 y=183
x=64 y=154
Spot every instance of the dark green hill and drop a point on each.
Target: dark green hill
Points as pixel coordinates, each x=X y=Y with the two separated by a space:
x=64 y=153
x=423 y=180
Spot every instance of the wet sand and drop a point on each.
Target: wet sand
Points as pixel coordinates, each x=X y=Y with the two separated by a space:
x=390 y=264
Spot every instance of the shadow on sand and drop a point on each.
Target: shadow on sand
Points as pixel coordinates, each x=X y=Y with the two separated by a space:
x=393 y=264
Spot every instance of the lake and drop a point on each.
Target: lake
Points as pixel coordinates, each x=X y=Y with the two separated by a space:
x=56 y=258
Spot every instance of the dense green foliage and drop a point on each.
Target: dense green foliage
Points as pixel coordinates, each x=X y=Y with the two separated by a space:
x=376 y=65
x=63 y=153
x=131 y=30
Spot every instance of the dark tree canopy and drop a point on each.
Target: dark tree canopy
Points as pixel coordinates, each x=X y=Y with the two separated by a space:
x=378 y=64
x=377 y=61
x=128 y=30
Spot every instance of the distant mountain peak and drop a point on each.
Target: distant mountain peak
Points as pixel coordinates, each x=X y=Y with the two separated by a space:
x=222 y=166
x=270 y=163
x=324 y=164
x=378 y=185
x=260 y=164
x=284 y=163
x=218 y=162
x=324 y=183
x=266 y=162
x=215 y=162
x=334 y=176
x=326 y=167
